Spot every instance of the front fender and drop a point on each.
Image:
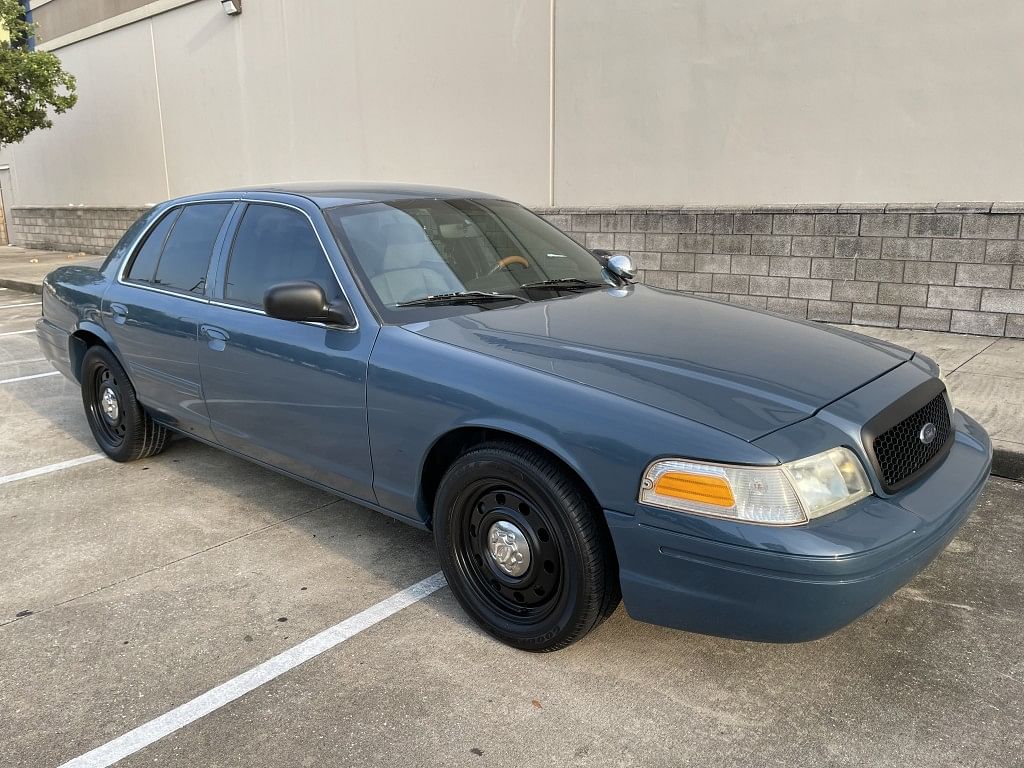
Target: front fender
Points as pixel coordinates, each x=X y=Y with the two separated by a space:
x=553 y=443
x=419 y=390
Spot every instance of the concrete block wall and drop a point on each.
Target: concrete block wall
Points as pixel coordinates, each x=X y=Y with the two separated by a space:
x=943 y=267
x=72 y=228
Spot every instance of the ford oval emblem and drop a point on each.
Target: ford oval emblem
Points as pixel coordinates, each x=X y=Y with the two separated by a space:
x=927 y=434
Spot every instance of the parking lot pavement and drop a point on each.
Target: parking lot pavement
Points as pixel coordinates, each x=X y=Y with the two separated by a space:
x=932 y=678
x=129 y=590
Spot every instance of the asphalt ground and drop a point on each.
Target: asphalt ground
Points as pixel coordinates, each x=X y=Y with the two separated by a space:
x=128 y=592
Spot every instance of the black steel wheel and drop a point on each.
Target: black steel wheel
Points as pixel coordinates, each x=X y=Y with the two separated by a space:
x=106 y=409
x=122 y=429
x=523 y=548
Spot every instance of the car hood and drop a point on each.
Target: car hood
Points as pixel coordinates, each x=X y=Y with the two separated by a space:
x=744 y=372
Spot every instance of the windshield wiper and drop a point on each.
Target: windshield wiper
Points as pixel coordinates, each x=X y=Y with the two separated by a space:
x=563 y=284
x=461 y=297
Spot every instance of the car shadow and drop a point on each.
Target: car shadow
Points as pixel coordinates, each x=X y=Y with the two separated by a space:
x=359 y=538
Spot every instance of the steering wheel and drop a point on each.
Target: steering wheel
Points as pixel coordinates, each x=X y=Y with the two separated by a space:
x=508 y=261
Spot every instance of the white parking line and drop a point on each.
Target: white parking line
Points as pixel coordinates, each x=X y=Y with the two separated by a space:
x=26 y=304
x=22 y=362
x=26 y=378
x=49 y=468
x=236 y=687
x=16 y=333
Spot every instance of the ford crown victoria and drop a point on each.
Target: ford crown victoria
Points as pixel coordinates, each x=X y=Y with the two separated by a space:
x=569 y=436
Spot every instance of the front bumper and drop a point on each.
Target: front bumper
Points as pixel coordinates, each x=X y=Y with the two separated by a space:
x=756 y=582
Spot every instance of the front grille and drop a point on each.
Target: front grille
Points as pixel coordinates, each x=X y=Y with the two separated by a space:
x=900 y=454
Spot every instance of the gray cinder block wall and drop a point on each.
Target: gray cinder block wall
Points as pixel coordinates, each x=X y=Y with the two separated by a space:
x=941 y=267
x=74 y=228
x=944 y=267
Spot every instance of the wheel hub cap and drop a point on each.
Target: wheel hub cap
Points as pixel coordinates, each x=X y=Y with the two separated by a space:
x=109 y=404
x=509 y=548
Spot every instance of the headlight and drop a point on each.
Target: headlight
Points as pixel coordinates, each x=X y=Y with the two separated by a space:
x=788 y=494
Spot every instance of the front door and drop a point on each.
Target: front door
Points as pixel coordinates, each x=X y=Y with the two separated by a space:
x=292 y=395
x=153 y=314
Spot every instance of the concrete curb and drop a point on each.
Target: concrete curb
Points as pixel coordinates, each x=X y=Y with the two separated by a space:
x=1008 y=464
x=21 y=285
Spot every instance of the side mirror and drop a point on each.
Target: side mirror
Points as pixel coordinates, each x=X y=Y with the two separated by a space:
x=303 y=300
x=621 y=266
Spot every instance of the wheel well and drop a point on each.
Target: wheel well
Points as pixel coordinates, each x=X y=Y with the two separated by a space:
x=79 y=343
x=455 y=443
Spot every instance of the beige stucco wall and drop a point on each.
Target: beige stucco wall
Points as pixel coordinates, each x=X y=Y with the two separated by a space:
x=445 y=92
x=108 y=147
x=737 y=101
x=666 y=101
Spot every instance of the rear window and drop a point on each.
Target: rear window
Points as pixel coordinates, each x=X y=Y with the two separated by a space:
x=185 y=258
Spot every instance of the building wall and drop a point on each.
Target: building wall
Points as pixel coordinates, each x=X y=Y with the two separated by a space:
x=745 y=101
x=108 y=148
x=94 y=230
x=954 y=267
x=751 y=108
x=59 y=17
x=677 y=101
x=6 y=200
x=447 y=91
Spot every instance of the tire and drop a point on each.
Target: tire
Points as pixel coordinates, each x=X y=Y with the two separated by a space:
x=122 y=429
x=539 y=597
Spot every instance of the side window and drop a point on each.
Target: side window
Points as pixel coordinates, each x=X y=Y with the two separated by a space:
x=149 y=254
x=273 y=245
x=186 y=255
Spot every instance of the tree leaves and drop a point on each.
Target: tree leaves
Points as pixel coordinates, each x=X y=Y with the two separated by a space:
x=31 y=82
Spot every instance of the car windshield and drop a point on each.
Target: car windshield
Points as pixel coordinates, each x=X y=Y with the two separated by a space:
x=420 y=253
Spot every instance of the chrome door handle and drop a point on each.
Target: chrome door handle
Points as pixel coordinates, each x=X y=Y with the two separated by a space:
x=216 y=337
x=119 y=313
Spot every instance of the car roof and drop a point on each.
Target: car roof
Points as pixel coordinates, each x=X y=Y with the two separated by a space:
x=328 y=194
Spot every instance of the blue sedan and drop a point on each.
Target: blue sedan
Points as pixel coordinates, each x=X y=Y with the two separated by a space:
x=570 y=437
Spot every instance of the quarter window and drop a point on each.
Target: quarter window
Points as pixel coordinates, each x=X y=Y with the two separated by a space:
x=148 y=255
x=185 y=259
x=124 y=245
x=275 y=245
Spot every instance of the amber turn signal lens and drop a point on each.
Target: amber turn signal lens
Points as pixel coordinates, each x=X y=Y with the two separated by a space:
x=706 y=489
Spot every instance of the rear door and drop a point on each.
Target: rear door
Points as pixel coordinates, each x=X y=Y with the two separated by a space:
x=152 y=312
x=292 y=395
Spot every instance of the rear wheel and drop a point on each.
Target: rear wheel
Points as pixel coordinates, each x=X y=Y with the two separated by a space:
x=123 y=430
x=523 y=548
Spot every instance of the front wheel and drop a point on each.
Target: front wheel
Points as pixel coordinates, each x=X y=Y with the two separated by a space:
x=123 y=430
x=523 y=547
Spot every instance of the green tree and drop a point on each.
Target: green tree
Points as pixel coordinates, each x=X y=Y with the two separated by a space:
x=31 y=82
